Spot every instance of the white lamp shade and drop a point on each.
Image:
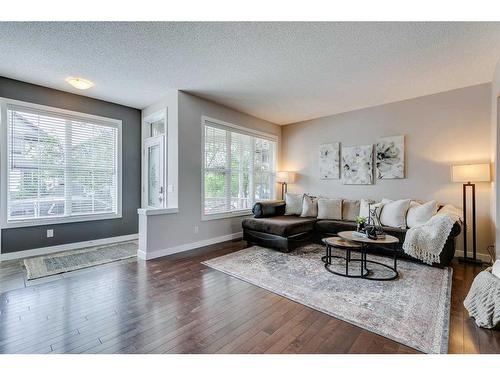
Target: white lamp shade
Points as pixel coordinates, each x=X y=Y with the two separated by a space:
x=285 y=177
x=471 y=173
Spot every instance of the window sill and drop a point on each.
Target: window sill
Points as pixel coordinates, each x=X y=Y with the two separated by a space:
x=58 y=220
x=225 y=215
x=157 y=211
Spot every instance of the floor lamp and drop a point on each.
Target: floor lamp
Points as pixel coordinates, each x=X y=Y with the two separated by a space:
x=467 y=174
x=284 y=178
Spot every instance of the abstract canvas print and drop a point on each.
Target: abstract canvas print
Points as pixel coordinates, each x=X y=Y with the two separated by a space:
x=329 y=161
x=357 y=165
x=391 y=157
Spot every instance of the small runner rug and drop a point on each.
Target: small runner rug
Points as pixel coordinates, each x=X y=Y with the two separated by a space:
x=413 y=310
x=66 y=261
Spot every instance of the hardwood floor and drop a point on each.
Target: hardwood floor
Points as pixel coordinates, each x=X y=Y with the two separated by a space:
x=177 y=305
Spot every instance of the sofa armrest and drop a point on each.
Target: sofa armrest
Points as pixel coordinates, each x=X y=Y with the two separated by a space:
x=456 y=229
x=268 y=208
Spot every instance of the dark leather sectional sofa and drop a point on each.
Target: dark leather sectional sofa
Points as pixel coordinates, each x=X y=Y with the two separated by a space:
x=271 y=228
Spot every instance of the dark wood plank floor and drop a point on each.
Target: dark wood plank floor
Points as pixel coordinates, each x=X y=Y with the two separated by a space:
x=177 y=305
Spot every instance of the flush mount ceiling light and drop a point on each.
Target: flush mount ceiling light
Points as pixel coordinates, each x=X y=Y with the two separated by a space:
x=79 y=83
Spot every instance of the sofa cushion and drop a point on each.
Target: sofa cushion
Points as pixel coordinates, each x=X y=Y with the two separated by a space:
x=495 y=270
x=268 y=208
x=334 y=226
x=452 y=210
x=293 y=204
x=399 y=233
x=364 y=207
x=350 y=210
x=419 y=214
x=280 y=225
x=309 y=206
x=394 y=213
x=330 y=209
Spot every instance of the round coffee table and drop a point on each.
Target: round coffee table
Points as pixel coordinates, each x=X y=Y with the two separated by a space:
x=342 y=244
x=365 y=243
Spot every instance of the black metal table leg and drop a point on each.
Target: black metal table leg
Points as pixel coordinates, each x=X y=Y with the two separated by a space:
x=347 y=260
x=362 y=263
x=365 y=272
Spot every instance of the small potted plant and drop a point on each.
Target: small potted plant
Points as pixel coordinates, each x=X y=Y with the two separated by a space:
x=361 y=222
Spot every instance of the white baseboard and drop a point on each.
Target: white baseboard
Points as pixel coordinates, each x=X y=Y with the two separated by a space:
x=66 y=247
x=480 y=256
x=185 y=247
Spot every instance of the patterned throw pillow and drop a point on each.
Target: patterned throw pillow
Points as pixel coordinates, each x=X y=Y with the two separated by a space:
x=364 y=207
x=375 y=210
x=309 y=206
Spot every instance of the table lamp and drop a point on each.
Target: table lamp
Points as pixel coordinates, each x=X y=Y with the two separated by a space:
x=284 y=178
x=467 y=174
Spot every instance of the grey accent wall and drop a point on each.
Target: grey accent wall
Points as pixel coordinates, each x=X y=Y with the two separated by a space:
x=440 y=130
x=17 y=239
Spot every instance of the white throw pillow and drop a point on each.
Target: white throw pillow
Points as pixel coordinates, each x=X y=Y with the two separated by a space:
x=293 y=204
x=363 y=207
x=453 y=211
x=330 y=209
x=394 y=213
x=495 y=270
x=419 y=214
x=309 y=206
x=350 y=209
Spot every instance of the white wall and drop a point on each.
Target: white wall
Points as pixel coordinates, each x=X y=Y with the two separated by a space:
x=176 y=232
x=440 y=130
x=495 y=134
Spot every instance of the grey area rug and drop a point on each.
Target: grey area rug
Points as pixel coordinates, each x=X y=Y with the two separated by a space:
x=413 y=310
x=66 y=261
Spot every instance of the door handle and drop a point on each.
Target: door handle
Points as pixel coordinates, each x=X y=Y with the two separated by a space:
x=160 y=197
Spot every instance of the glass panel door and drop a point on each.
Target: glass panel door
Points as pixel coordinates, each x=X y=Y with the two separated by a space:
x=154 y=189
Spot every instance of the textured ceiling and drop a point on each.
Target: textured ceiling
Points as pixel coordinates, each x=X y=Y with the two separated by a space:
x=281 y=72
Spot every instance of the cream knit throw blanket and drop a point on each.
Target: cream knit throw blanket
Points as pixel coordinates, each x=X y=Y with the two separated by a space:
x=426 y=241
x=483 y=300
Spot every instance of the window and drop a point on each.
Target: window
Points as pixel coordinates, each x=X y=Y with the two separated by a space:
x=157 y=127
x=154 y=160
x=59 y=166
x=238 y=169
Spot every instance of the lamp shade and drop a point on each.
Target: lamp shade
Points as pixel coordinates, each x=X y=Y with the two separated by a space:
x=470 y=173
x=285 y=177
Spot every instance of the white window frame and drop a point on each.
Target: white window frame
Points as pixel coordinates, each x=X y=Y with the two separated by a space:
x=146 y=134
x=4 y=175
x=238 y=129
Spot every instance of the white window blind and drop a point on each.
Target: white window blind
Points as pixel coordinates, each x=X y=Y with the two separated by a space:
x=238 y=169
x=60 y=165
